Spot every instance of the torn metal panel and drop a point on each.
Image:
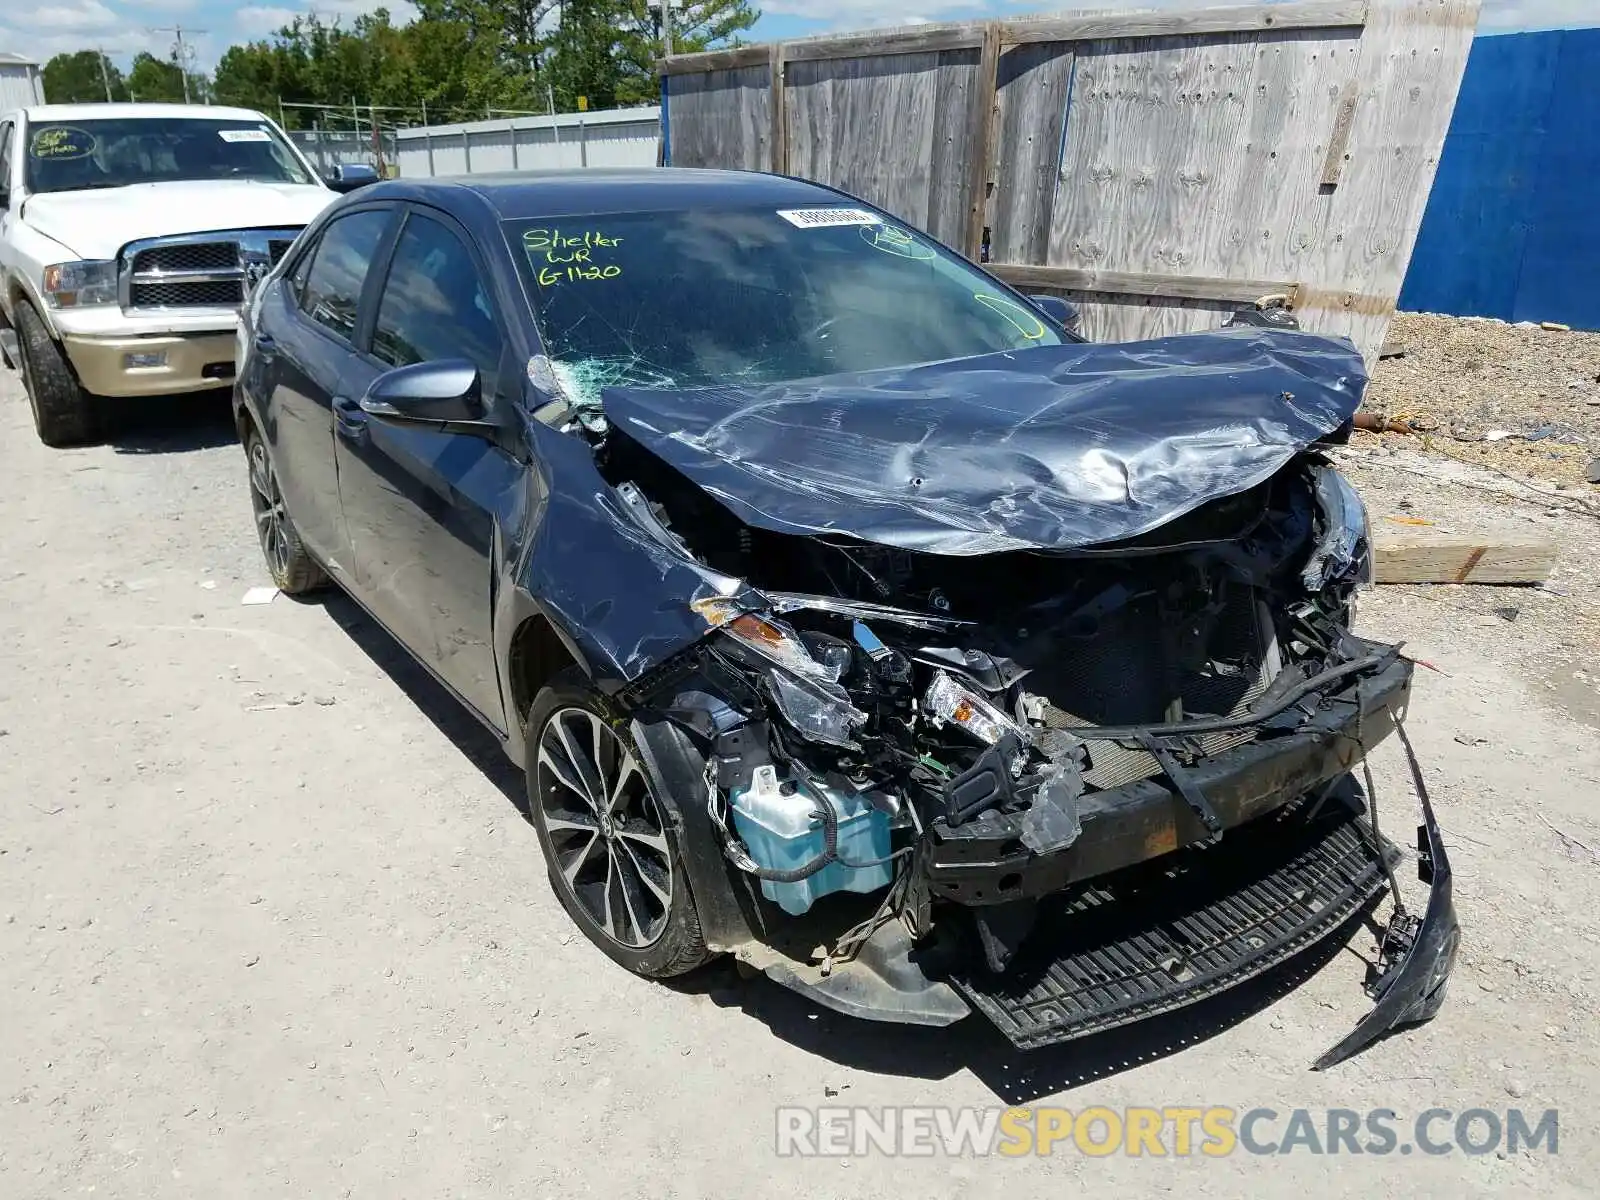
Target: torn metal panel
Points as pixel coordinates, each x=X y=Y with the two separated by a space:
x=1051 y=448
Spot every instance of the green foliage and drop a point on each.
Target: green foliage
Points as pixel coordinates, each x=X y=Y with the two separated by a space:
x=76 y=78
x=155 y=81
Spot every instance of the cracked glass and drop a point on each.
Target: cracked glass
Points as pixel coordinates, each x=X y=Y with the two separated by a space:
x=746 y=297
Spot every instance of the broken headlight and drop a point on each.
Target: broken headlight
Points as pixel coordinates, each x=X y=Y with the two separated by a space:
x=805 y=692
x=949 y=702
x=1343 y=551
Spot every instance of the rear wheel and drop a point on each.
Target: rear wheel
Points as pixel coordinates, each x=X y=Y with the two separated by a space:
x=613 y=856
x=63 y=413
x=290 y=564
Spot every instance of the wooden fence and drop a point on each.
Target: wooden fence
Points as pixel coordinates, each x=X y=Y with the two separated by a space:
x=1159 y=167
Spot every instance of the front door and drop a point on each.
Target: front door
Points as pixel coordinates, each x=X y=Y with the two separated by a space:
x=422 y=506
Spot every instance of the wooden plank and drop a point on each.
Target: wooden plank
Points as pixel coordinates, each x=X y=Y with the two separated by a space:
x=723 y=119
x=1314 y=14
x=918 y=39
x=1034 y=84
x=1412 y=559
x=980 y=137
x=713 y=60
x=780 y=114
x=1333 y=164
x=1134 y=283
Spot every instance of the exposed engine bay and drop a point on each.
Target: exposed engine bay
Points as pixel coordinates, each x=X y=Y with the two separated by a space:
x=981 y=743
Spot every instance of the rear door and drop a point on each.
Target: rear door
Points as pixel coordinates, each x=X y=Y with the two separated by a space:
x=421 y=505
x=306 y=346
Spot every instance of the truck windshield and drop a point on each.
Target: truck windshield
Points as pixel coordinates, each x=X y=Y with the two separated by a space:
x=749 y=297
x=65 y=156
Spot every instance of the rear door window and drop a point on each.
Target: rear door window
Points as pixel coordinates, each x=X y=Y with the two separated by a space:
x=338 y=270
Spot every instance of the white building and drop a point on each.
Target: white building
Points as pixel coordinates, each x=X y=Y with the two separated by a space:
x=21 y=83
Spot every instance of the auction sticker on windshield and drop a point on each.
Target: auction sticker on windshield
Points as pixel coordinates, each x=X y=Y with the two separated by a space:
x=824 y=218
x=244 y=135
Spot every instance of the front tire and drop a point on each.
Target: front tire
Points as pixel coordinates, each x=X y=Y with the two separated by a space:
x=613 y=856
x=288 y=561
x=63 y=413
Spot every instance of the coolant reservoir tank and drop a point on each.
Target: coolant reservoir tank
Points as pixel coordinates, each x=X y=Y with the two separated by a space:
x=776 y=818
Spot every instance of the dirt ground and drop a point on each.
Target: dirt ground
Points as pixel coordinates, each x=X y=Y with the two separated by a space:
x=271 y=924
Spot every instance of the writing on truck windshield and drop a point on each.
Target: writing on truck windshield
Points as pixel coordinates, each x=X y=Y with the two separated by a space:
x=751 y=297
x=66 y=156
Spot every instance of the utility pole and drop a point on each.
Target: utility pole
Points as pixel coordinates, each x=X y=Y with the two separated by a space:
x=181 y=52
x=105 y=78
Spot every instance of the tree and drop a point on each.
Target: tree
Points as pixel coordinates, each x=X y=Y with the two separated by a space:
x=154 y=81
x=76 y=78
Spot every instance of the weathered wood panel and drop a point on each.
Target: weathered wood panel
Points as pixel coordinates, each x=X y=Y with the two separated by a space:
x=1412 y=57
x=1314 y=14
x=722 y=118
x=1034 y=84
x=918 y=39
x=895 y=131
x=1198 y=155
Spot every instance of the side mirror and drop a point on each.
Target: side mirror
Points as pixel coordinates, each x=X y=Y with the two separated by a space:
x=1063 y=312
x=432 y=394
x=346 y=177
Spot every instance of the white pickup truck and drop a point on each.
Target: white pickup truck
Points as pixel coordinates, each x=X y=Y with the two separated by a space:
x=129 y=236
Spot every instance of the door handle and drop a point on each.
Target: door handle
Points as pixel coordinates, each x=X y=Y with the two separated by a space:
x=349 y=419
x=265 y=345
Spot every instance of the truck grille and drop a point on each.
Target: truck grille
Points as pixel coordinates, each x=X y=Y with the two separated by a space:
x=208 y=270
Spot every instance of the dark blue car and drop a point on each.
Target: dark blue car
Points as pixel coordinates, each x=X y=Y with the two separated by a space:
x=848 y=611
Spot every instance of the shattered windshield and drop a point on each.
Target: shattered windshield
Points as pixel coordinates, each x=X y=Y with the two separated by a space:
x=750 y=297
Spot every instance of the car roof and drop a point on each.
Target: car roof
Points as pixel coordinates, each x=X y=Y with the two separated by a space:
x=644 y=189
x=102 y=112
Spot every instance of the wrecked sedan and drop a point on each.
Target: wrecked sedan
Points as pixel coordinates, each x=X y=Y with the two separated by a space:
x=848 y=611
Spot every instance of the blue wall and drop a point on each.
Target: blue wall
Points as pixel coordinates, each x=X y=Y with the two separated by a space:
x=1512 y=227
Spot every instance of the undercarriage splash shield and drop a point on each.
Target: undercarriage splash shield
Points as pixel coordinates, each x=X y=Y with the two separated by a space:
x=1156 y=937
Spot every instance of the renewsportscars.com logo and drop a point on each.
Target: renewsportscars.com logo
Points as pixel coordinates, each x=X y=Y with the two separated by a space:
x=1170 y=1131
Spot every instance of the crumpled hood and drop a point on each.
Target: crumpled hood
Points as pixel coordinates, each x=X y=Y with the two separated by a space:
x=1053 y=448
x=97 y=224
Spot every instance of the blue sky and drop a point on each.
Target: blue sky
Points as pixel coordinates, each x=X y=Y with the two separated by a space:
x=124 y=27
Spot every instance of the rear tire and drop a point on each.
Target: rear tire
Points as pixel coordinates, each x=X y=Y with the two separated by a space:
x=288 y=561
x=63 y=413
x=611 y=849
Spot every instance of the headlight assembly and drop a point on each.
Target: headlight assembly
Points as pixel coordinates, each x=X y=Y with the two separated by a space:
x=1344 y=545
x=80 y=284
x=804 y=691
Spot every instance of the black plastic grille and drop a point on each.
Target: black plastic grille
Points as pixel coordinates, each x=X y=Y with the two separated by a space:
x=223 y=294
x=194 y=256
x=1162 y=935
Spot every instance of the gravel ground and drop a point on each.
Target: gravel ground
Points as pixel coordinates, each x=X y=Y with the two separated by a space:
x=1519 y=398
x=273 y=926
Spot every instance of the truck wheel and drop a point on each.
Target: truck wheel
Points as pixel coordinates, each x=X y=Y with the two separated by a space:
x=63 y=413
x=612 y=855
x=290 y=564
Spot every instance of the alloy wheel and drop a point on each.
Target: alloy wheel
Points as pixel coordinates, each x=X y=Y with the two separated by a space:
x=607 y=837
x=271 y=518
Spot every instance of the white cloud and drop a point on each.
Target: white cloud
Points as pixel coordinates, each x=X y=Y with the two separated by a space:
x=80 y=14
x=256 y=21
